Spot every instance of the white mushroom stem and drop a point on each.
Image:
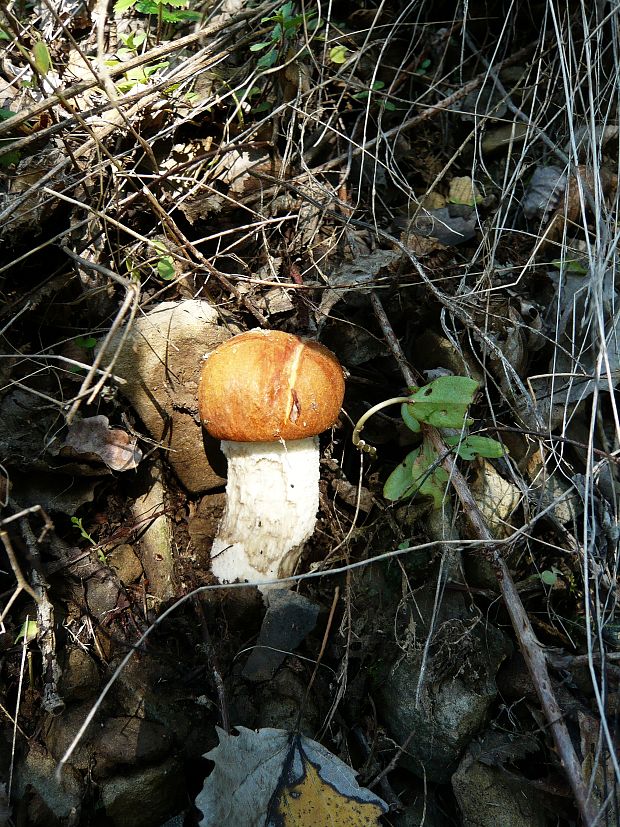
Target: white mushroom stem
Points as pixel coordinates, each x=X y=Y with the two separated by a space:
x=272 y=498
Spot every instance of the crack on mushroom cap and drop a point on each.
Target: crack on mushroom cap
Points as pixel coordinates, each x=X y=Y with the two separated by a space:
x=267 y=385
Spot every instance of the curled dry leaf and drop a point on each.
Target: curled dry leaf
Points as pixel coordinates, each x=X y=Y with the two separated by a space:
x=273 y=777
x=113 y=446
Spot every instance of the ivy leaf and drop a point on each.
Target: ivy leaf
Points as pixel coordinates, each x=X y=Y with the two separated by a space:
x=444 y=402
x=476 y=446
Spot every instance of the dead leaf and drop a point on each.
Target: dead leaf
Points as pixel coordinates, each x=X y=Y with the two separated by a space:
x=112 y=446
x=496 y=498
x=464 y=191
x=275 y=778
x=313 y=801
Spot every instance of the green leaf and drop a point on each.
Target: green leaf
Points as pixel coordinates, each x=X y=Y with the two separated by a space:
x=406 y=411
x=4 y=35
x=476 y=446
x=41 y=55
x=400 y=484
x=389 y=106
x=86 y=342
x=570 y=265
x=338 y=54
x=28 y=631
x=419 y=473
x=9 y=158
x=165 y=268
x=444 y=402
x=429 y=479
x=268 y=60
x=258 y=47
x=5 y=114
x=123 y=5
x=549 y=578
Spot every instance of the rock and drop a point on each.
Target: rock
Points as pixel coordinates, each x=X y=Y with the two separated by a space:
x=80 y=676
x=124 y=560
x=289 y=618
x=155 y=542
x=149 y=687
x=108 y=743
x=59 y=732
x=160 y=362
x=129 y=741
x=280 y=703
x=47 y=802
x=144 y=798
x=487 y=797
x=457 y=688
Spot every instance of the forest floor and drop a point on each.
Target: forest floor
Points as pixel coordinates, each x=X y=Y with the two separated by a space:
x=432 y=197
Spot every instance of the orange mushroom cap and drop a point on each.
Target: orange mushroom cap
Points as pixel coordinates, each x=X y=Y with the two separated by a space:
x=265 y=385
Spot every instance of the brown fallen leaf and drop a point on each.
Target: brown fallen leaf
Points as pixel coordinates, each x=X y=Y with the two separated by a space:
x=113 y=446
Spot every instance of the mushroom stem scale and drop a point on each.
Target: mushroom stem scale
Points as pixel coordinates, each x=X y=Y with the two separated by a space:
x=272 y=498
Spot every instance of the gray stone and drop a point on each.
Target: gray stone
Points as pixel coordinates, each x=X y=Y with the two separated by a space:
x=144 y=798
x=160 y=362
x=456 y=690
x=80 y=676
x=487 y=798
x=51 y=801
x=289 y=618
x=124 y=560
x=129 y=741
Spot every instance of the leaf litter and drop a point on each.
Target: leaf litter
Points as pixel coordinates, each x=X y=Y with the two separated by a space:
x=436 y=203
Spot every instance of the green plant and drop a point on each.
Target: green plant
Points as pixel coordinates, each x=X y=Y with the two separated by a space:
x=86 y=342
x=131 y=45
x=77 y=522
x=377 y=86
x=443 y=403
x=165 y=263
x=167 y=11
x=286 y=26
x=138 y=75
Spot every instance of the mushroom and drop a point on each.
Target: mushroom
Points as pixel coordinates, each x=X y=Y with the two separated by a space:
x=266 y=395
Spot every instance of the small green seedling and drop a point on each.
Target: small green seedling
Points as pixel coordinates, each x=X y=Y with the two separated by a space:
x=165 y=263
x=77 y=522
x=86 y=342
x=339 y=54
x=166 y=11
x=28 y=631
x=443 y=403
x=550 y=576
x=286 y=26
x=377 y=86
